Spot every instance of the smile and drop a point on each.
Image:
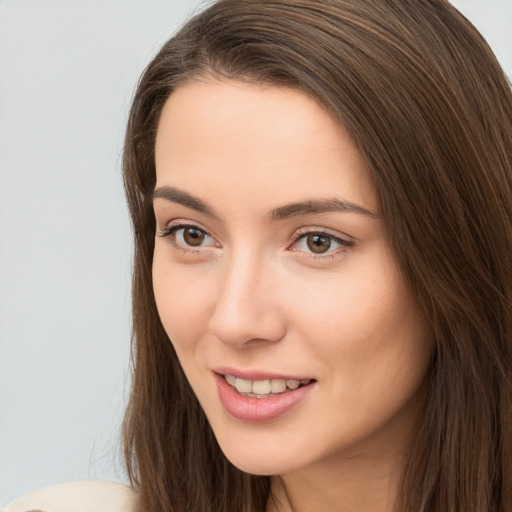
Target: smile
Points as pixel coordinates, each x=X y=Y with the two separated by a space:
x=260 y=399
x=264 y=388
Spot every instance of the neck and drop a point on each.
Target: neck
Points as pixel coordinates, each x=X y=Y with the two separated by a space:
x=362 y=484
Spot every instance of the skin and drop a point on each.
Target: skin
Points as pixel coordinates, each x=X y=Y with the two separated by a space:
x=253 y=296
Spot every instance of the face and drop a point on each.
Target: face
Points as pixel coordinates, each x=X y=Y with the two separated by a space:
x=275 y=281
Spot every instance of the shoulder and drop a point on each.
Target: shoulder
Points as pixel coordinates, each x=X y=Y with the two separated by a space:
x=83 y=496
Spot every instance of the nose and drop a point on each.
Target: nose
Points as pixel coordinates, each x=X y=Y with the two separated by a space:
x=247 y=311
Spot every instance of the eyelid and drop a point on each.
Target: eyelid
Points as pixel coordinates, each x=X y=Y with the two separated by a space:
x=344 y=241
x=309 y=230
x=174 y=226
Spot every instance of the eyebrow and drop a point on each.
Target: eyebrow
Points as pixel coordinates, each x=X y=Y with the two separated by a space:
x=283 y=212
x=319 y=206
x=184 y=198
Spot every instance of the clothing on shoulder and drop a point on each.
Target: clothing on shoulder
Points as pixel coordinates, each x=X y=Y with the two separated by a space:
x=81 y=496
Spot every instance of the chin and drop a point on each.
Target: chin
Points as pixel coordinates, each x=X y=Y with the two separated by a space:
x=258 y=460
x=257 y=465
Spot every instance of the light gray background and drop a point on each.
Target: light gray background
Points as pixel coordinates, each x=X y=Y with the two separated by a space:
x=67 y=72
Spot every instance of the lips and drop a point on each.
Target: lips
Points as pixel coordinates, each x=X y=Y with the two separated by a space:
x=260 y=399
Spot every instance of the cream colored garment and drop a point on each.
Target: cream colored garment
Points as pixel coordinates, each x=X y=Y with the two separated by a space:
x=84 y=496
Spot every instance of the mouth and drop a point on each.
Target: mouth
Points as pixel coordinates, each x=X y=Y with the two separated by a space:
x=266 y=388
x=261 y=396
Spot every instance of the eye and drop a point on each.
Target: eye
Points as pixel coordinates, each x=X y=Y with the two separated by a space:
x=191 y=236
x=320 y=243
x=188 y=236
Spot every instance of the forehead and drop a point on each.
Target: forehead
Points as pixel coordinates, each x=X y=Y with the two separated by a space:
x=253 y=140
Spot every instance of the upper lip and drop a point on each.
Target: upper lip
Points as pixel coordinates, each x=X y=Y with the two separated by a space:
x=258 y=375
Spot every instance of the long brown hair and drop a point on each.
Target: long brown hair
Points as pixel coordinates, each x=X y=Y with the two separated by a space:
x=431 y=111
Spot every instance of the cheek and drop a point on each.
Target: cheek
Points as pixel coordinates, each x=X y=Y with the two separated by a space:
x=376 y=352
x=184 y=301
x=367 y=326
x=348 y=312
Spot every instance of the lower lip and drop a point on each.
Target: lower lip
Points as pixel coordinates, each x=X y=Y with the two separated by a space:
x=258 y=410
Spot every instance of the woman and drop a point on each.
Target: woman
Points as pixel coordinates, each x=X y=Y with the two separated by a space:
x=321 y=200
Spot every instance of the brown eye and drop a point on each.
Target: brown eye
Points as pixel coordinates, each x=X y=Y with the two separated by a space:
x=193 y=236
x=318 y=243
x=189 y=237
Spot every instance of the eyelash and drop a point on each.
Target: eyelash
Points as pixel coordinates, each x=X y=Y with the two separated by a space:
x=344 y=244
x=170 y=232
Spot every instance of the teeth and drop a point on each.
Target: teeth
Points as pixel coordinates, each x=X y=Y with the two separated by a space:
x=243 y=386
x=278 y=385
x=230 y=380
x=293 y=384
x=263 y=388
